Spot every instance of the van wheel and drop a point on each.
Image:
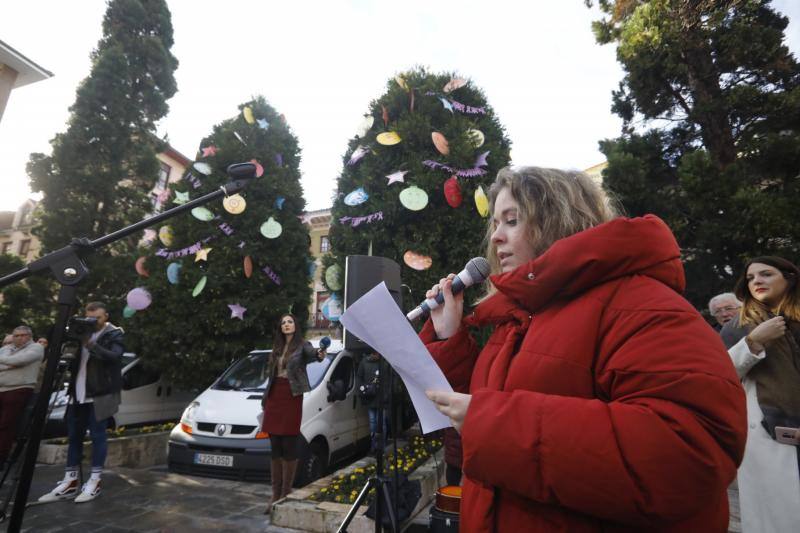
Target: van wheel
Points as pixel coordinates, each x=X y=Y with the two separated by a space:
x=313 y=465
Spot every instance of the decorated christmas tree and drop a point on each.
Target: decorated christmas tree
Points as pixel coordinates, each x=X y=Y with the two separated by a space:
x=414 y=181
x=214 y=283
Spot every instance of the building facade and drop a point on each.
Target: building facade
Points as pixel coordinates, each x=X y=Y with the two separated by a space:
x=319 y=225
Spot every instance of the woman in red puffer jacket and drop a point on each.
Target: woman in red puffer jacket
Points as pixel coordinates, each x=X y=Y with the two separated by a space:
x=602 y=400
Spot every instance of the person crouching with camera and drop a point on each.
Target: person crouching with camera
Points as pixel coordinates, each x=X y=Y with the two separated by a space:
x=94 y=390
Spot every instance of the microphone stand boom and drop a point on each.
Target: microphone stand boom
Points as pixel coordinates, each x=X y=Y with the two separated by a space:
x=67 y=267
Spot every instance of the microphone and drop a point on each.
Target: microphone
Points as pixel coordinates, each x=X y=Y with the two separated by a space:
x=324 y=343
x=476 y=271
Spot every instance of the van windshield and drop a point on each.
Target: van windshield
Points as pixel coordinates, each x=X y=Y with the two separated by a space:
x=250 y=373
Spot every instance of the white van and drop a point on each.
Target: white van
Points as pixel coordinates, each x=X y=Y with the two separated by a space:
x=146 y=398
x=219 y=433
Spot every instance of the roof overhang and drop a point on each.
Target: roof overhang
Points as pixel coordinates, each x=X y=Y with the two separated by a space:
x=27 y=71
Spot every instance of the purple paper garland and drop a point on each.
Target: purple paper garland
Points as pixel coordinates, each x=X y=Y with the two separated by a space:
x=194 y=248
x=356 y=221
x=458 y=106
x=271 y=275
x=194 y=180
x=461 y=172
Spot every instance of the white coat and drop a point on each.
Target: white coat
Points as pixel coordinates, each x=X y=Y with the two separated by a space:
x=769 y=482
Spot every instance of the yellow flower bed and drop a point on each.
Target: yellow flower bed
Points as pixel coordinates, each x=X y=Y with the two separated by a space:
x=344 y=488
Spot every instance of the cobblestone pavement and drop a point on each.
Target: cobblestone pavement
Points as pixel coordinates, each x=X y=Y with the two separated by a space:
x=151 y=500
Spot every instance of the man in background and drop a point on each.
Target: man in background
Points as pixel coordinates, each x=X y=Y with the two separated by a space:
x=19 y=369
x=723 y=307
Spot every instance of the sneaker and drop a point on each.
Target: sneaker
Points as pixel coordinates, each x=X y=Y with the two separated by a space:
x=90 y=491
x=65 y=490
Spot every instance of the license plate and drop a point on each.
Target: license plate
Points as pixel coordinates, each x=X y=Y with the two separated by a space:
x=213 y=460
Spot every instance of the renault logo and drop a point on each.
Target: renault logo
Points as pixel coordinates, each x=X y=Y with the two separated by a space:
x=221 y=429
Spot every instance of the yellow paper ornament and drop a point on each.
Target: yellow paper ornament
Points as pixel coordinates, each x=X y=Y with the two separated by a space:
x=248 y=115
x=234 y=204
x=481 y=202
x=388 y=138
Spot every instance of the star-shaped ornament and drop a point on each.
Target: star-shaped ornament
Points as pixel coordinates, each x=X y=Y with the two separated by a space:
x=262 y=123
x=237 y=311
x=397 y=177
x=209 y=151
x=181 y=197
x=201 y=254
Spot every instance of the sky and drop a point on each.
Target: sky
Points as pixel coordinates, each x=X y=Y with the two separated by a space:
x=320 y=63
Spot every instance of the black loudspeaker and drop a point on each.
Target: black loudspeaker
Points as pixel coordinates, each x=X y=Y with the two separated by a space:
x=361 y=274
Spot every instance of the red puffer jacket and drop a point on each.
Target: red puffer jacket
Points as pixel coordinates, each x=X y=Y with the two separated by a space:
x=602 y=400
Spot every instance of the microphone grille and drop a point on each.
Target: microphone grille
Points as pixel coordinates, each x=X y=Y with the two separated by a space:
x=478 y=269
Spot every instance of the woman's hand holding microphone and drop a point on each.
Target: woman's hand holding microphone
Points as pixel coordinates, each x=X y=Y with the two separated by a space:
x=446 y=321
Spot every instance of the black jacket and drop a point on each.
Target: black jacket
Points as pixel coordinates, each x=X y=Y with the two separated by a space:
x=104 y=367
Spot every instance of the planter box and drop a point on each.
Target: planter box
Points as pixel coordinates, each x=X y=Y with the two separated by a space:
x=297 y=512
x=147 y=449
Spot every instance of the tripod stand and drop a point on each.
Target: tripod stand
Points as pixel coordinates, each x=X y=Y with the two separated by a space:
x=379 y=482
x=23 y=436
x=67 y=267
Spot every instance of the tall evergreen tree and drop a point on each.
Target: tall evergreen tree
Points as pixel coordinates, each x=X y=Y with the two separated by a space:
x=711 y=135
x=442 y=236
x=101 y=169
x=189 y=331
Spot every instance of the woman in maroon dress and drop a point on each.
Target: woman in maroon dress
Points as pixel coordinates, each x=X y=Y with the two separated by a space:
x=283 y=401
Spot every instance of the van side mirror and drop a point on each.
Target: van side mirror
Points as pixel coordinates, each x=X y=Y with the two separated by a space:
x=336 y=390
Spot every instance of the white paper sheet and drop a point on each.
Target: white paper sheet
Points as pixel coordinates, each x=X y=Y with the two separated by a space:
x=376 y=319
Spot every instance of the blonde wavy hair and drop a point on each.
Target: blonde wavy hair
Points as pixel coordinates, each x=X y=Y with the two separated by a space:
x=553 y=204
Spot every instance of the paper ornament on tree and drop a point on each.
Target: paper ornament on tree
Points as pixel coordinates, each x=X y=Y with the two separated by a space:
x=358 y=196
x=481 y=202
x=180 y=197
x=278 y=160
x=259 y=168
x=237 y=311
x=401 y=82
x=414 y=198
x=174 y=272
x=201 y=254
x=446 y=104
x=333 y=276
x=365 y=126
x=128 y=312
x=150 y=235
x=453 y=84
x=385 y=115
x=452 y=192
x=279 y=202
x=248 y=115
x=202 y=168
x=356 y=156
x=199 y=287
x=476 y=137
x=208 y=151
x=239 y=137
x=139 y=298
x=271 y=229
x=234 y=204
x=397 y=177
x=262 y=123
x=388 y=138
x=440 y=142
x=140 y=268
x=201 y=213
x=166 y=235
x=417 y=261
x=248 y=266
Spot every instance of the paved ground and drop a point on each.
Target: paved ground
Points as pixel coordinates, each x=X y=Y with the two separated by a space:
x=152 y=500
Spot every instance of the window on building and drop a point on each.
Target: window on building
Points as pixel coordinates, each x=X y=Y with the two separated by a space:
x=163 y=176
x=6 y=248
x=324 y=244
x=24 y=247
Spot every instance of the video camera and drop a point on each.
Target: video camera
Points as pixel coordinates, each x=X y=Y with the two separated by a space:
x=80 y=327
